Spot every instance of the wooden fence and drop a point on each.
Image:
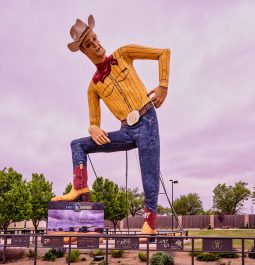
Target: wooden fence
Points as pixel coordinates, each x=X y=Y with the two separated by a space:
x=252 y=220
x=191 y=221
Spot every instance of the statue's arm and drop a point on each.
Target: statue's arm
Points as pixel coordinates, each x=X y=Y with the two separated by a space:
x=147 y=53
x=133 y=52
x=97 y=134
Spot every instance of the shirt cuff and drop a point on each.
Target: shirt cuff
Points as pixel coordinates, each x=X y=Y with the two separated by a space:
x=91 y=127
x=163 y=83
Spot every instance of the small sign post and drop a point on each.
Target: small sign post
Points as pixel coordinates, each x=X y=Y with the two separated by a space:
x=20 y=241
x=87 y=242
x=170 y=244
x=53 y=241
x=127 y=243
x=217 y=245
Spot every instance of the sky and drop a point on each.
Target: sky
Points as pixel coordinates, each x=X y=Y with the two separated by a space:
x=207 y=123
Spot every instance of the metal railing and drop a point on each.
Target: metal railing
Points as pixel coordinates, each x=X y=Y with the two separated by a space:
x=147 y=243
x=161 y=232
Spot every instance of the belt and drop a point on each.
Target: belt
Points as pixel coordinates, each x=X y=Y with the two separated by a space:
x=142 y=112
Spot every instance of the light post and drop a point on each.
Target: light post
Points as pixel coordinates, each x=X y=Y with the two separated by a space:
x=173 y=182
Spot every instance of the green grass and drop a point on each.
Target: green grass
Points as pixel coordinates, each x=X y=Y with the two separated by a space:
x=224 y=233
x=221 y=232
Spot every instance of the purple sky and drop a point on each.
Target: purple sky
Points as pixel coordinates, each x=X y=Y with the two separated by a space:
x=207 y=123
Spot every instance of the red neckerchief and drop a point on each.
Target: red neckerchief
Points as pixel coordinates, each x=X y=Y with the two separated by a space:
x=104 y=69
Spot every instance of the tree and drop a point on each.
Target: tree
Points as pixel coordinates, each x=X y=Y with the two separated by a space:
x=113 y=198
x=163 y=210
x=41 y=193
x=14 y=198
x=253 y=197
x=229 y=199
x=68 y=188
x=135 y=200
x=188 y=204
x=209 y=212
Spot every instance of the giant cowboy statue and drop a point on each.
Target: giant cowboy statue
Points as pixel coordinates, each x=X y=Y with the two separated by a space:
x=119 y=86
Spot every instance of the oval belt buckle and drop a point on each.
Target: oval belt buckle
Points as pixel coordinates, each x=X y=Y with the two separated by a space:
x=133 y=117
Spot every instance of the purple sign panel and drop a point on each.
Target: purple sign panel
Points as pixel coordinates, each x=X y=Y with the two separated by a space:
x=75 y=217
x=170 y=244
x=217 y=245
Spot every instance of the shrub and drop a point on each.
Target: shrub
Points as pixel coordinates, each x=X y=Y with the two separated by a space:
x=83 y=259
x=161 y=258
x=31 y=254
x=12 y=254
x=74 y=255
x=228 y=255
x=142 y=256
x=196 y=253
x=49 y=256
x=208 y=257
x=251 y=255
x=117 y=253
x=97 y=252
x=53 y=254
x=59 y=253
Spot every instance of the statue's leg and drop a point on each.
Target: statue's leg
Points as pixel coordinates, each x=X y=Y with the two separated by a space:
x=120 y=141
x=149 y=155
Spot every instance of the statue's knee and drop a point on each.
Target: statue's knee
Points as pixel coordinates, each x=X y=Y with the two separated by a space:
x=83 y=143
x=74 y=143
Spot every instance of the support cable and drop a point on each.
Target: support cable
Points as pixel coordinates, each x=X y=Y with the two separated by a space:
x=172 y=208
x=92 y=166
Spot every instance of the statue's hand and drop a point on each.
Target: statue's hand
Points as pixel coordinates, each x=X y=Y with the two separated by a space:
x=159 y=96
x=99 y=135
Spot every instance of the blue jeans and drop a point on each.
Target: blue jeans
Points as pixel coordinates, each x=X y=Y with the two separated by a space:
x=144 y=135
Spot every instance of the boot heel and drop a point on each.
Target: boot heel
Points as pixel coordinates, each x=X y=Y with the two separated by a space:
x=85 y=197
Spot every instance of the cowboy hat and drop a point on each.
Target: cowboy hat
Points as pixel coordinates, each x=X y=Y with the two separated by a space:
x=79 y=31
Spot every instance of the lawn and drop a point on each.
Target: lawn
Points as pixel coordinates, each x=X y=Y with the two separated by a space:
x=224 y=233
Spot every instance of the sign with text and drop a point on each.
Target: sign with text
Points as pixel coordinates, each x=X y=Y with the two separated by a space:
x=75 y=218
x=127 y=243
x=171 y=244
x=53 y=241
x=20 y=241
x=87 y=242
x=217 y=245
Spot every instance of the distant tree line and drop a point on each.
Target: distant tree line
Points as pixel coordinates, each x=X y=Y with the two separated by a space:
x=21 y=200
x=226 y=200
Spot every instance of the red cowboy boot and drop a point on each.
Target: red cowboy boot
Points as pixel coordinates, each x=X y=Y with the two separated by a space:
x=79 y=187
x=80 y=177
x=150 y=222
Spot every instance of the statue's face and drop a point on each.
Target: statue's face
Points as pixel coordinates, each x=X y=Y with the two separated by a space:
x=92 y=48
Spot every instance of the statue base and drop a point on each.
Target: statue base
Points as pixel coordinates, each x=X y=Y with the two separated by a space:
x=83 y=198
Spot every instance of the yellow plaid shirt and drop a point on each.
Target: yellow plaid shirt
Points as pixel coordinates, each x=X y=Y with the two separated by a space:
x=122 y=90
